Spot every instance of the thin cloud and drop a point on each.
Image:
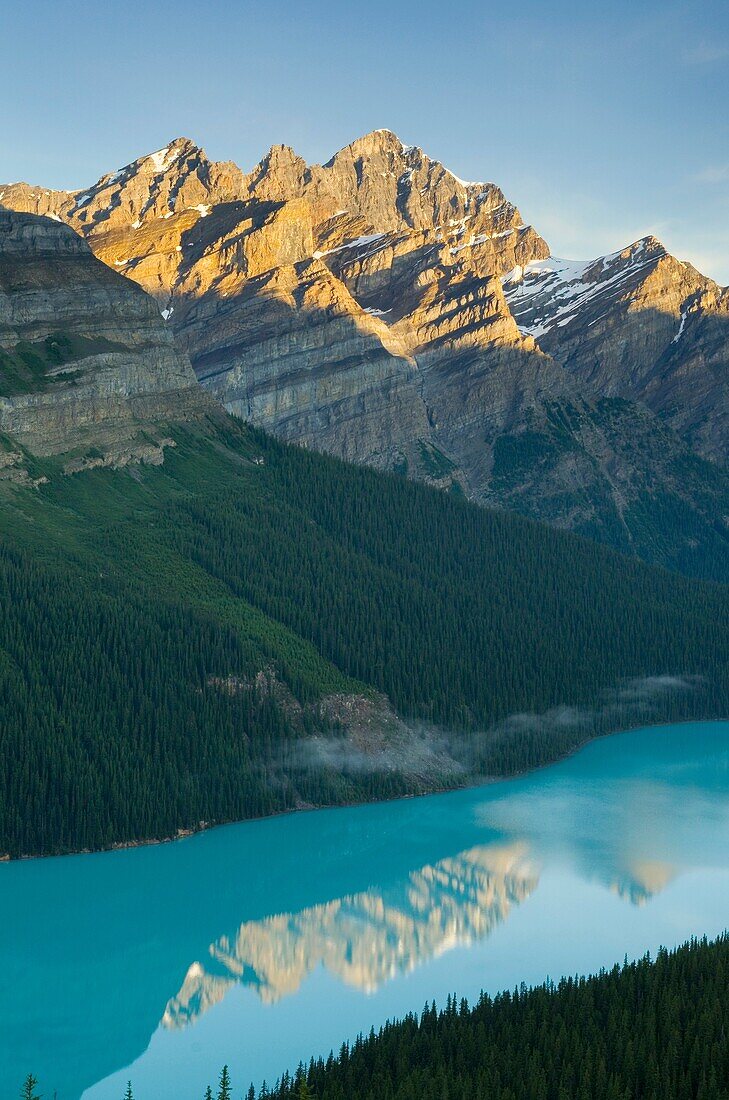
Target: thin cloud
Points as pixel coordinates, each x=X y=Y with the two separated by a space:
x=426 y=753
x=713 y=173
x=707 y=53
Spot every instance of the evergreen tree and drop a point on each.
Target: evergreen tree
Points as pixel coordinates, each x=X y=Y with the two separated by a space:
x=224 y=1086
x=28 y=1091
x=651 y=1029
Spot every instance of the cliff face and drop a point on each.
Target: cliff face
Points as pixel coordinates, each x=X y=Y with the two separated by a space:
x=381 y=309
x=294 y=352
x=86 y=361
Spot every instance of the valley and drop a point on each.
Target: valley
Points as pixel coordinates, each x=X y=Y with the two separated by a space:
x=325 y=484
x=274 y=628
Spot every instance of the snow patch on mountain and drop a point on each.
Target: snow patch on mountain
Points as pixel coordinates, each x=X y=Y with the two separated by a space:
x=550 y=293
x=160 y=158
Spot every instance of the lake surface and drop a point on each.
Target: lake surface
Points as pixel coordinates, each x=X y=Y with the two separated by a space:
x=263 y=943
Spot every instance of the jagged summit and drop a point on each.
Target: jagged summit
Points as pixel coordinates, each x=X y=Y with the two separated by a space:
x=649 y=243
x=637 y=324
x=380 y=140
x=160 y=160
x=279 y=175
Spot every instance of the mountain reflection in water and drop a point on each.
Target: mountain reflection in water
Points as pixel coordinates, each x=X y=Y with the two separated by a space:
x=366 y=938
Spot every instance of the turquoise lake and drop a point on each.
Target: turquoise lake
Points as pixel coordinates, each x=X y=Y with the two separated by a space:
x=263 y=943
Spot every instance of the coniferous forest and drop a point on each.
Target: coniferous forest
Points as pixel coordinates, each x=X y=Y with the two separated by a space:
x=656 y=1030
x=169 y=632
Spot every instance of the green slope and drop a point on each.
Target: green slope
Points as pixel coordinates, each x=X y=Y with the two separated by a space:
x=140 y=605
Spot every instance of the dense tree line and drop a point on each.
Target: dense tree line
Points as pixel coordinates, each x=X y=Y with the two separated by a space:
x=109 y=729
x=658 y=1030
x=115 y=726
x=130 y=599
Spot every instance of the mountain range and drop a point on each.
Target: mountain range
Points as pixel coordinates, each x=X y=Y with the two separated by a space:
x=202 y=622
x=381 y=309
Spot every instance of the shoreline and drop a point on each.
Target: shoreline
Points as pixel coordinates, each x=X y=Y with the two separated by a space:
x=480 y=781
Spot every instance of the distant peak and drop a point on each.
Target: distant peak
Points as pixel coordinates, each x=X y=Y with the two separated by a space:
x=281 y=154
x=278 y=175
x=180 y=142
x=162 y=158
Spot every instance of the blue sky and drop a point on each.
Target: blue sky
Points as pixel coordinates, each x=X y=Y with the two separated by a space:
x=602 y=121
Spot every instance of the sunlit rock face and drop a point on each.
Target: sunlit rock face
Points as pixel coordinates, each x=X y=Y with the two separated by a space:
x=381 y=309
x=367 y=938
x=85 y=357
x=266 y=279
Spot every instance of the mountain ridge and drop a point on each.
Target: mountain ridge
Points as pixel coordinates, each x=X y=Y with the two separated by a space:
x=644 y=332
x=369 y=307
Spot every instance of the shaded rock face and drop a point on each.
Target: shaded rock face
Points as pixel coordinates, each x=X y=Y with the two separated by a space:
x=293 y=351
x=85 y=359
x=638 y=324
x=379 y=308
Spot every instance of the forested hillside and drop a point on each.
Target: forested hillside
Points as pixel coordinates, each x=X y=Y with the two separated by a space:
x=171 y=634
x=657 y=1030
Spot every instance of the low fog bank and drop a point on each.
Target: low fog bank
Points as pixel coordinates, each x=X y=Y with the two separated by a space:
x=429 y=755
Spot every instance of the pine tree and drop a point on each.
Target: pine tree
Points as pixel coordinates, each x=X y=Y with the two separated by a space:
x=208 y=1093
x=128 y=1094
x=224 y=1086
x=28 y=1090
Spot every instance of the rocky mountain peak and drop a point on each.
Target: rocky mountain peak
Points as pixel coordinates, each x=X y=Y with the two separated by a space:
x=281 y=174
x=648 y=245
x=375 y=143
x=158 y=185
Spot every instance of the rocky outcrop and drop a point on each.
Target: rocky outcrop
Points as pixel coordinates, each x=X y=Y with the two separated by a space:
x=85 y=359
